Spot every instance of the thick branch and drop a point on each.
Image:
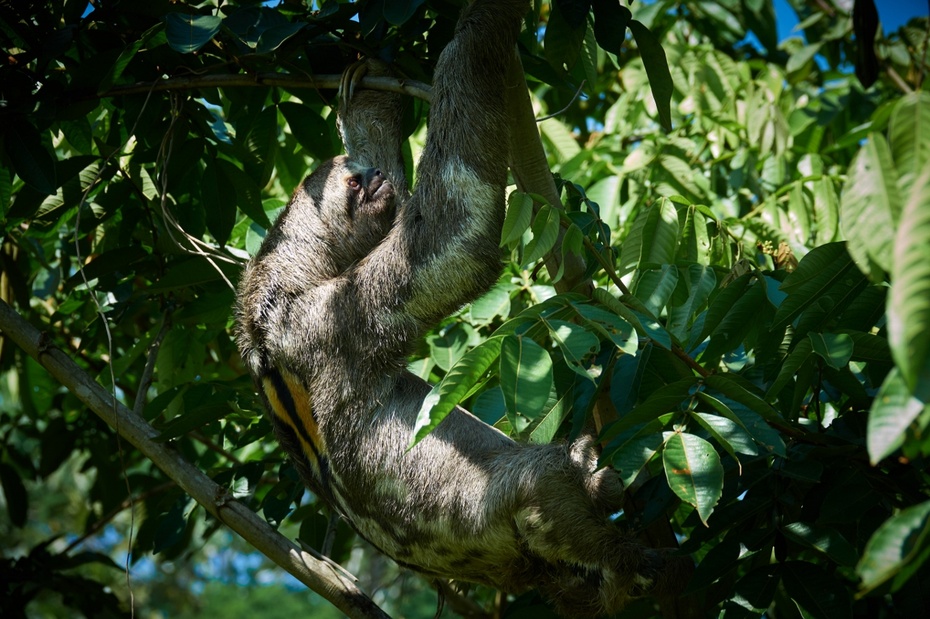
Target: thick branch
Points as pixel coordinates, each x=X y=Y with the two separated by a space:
x=531 y=173
x=265 y=80
x=319 y=575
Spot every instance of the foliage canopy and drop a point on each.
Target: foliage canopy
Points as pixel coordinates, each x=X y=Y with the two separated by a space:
x=755 y=353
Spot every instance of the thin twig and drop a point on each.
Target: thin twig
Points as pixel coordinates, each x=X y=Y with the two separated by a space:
x=145 y=381
x=567 y=105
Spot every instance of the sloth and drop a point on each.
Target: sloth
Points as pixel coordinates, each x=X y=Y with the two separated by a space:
x=353 y=272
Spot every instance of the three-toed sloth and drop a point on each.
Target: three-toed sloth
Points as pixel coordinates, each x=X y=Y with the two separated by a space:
x=354 y=271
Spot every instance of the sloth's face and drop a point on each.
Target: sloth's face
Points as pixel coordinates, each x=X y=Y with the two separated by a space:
x=354 y=204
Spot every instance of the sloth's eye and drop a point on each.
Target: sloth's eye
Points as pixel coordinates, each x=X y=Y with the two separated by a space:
x=353 y=183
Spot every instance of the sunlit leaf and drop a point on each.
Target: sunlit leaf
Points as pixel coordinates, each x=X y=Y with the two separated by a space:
x=653 y=238
x=654 y=287
x=899 y=546
x=545 y=233
x=525 y=375
x=909 y=134
x=835 y=348
x=457 y=382
x=518 y=217
x=694 y=472
x=909 y=303
x=870 y=206
x=893 y=411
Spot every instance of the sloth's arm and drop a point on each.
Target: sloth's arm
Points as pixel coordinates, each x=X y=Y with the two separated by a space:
x=443 y=251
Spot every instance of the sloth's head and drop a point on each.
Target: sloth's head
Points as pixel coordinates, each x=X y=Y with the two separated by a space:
x=345 y=208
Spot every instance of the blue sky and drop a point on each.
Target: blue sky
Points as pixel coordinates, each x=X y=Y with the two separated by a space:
x=892 y=13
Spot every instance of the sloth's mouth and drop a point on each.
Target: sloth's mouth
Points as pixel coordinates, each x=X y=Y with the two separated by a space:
x=385 y=186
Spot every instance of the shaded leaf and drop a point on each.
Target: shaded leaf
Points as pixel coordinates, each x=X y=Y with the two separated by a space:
x=188 y=33
x=816 y=591
x=827 y=540
x=29 y=158
x=660 y=78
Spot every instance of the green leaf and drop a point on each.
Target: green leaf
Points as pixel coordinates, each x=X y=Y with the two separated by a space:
x=14 y=491
x=611 y=326
x=188 y=33
x=802 y=56
x=448 y=346
x=760 y=431
x=562 y=41
x=272 y=38
x=740 y=318
x=817 y=274
x=652 y=239
x=894 y=409
x=665 y=399
x=835 y=348
x=248 y=197
x=694 y=472
x=549 y=422
x=397 y=12
x=701 y=281
x=576 y=343
x=827 y=540
x=219 y=202
x=654 y=287
x=909 y=303
x=309 y=129
x=870 y=207
x=630 y=459
x=610 y=23
x=660 y=78
x=899 y=547
x=909 y=133
x=517 y=220
x=526 y=377
x=454 y=386
x=28 y=157
x=495 y=302
x=816 y=591
x=731 y=435
x=545 y=234
x=261 y=144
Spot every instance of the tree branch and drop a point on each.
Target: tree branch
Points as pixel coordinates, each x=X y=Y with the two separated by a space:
x=265 y=80
x=316 y=574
